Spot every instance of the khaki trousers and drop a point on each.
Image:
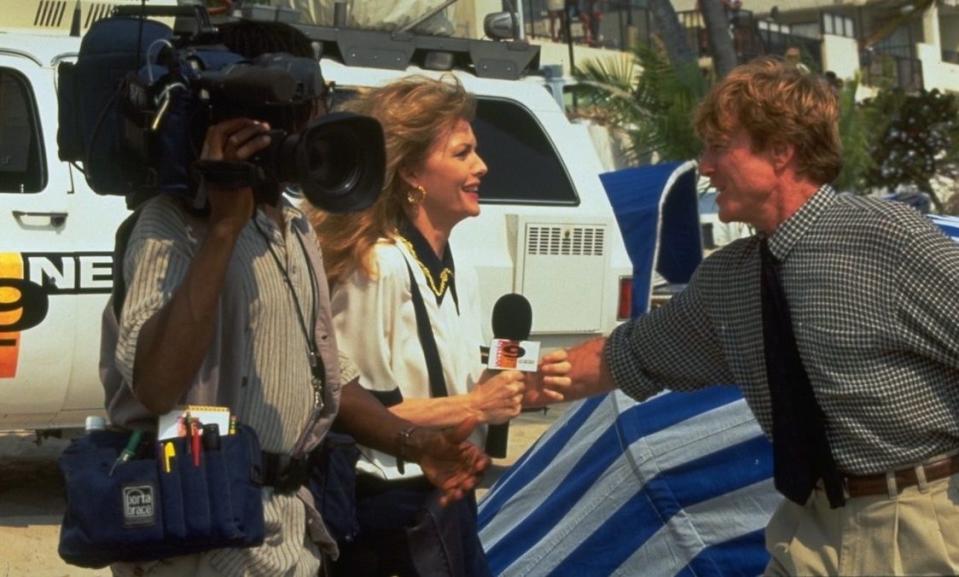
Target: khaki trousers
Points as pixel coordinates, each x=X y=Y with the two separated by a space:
x=913 y=533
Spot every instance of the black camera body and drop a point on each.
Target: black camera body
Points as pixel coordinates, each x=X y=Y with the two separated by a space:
x=135 y=107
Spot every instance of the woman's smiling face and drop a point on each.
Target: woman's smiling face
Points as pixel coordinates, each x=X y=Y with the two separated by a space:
x=451 y=175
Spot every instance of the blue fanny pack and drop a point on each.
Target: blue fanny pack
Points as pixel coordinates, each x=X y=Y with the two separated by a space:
x=160 y=503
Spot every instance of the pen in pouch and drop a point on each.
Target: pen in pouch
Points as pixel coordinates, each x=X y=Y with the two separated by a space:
x=195 y=440
x=169 y=452
x=127 y=453
x=211 y=437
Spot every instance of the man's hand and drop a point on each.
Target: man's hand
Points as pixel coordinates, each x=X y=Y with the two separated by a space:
x=232 y=140
x=589 y=374
x=449 y=461
x=550 y=382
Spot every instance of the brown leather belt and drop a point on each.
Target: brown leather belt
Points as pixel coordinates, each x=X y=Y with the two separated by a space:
x=876 y=484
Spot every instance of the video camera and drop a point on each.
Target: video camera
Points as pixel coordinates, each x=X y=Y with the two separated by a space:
x=135 y=107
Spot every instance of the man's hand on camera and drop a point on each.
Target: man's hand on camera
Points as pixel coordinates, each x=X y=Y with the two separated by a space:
x=233 y=139
x=449 y=461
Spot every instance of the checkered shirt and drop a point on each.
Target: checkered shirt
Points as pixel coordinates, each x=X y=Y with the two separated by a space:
x=873 y=290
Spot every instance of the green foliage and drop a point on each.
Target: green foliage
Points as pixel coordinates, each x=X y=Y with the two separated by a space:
x=891 y=140
x=649 y=99
x=921 y=135
x=858 y=127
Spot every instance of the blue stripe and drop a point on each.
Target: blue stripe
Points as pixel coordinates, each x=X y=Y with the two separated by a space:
x=578 y=480
x=743 y=556
x=633 y=423
x=717 y=473
x=666 y=410
x=661 y=498
x=949 y=225
x=534 y=462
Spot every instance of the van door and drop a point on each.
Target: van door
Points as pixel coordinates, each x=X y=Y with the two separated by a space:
x=37 y=275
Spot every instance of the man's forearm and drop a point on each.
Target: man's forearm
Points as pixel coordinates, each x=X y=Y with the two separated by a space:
x=173 y=343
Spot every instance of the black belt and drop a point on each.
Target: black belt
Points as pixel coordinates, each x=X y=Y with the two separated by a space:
x=284 y=473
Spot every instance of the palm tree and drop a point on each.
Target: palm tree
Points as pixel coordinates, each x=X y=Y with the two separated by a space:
x=720 y=40
x=647 y=99
x=671 y=32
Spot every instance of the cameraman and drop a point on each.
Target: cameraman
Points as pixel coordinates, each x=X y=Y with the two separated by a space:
x=224 y=307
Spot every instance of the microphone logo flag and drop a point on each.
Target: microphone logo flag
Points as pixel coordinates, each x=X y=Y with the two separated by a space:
x=514 y=355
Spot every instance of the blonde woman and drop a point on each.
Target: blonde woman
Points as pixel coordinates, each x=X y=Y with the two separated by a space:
x=390 y=265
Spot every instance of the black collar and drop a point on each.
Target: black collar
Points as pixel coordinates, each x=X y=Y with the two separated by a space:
x=439 y=272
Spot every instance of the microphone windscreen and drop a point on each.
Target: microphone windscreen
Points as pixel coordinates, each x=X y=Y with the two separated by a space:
x=512 y=317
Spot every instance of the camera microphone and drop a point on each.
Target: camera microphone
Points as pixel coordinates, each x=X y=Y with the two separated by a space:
x=512 y=321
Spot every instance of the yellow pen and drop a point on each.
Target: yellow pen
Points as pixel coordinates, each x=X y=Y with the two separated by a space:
x=169 y=452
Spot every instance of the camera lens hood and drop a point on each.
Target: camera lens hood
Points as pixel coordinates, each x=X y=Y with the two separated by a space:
x=340 y=162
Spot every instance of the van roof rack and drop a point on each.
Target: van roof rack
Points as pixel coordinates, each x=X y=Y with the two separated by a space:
x=508 y=60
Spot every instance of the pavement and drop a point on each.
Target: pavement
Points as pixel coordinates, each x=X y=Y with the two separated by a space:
x=32 y=496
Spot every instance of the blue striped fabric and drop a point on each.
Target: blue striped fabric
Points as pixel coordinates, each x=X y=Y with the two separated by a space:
x=948 y=224
x=679 y=485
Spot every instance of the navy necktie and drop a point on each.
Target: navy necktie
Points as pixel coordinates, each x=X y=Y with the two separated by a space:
x=801 y=453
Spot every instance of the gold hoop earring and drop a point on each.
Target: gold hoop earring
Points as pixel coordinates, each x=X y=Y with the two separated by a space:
x=416 y=195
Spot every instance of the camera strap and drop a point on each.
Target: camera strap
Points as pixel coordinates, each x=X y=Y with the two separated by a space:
x=317 y=367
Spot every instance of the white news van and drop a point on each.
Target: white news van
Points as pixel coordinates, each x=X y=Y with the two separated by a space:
x=546 y=229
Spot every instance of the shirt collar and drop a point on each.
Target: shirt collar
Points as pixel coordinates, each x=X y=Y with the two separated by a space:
x=439 y=271
x=789 y=233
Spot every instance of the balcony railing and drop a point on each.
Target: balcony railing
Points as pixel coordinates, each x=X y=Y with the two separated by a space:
x=891 y=67
x=616 y=24
x=749 y=39
x=779 y=43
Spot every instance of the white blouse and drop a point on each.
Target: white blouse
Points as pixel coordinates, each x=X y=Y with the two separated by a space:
x=375 y=324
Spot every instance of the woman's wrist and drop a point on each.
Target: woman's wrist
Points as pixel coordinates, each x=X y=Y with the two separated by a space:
x=473 y=407
x=407 y=447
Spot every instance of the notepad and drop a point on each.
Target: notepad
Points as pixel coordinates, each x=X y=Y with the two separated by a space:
x=169 y=425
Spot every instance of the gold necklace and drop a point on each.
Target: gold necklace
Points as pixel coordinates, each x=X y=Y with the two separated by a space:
x=445 y=274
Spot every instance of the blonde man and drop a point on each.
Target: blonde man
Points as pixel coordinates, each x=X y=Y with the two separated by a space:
x=838 y=322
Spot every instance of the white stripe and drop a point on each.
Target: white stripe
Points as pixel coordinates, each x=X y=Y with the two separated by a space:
x=725 y=517
x=529 y=498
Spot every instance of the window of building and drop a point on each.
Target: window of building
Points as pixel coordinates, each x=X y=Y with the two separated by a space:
x=22 y=167
x=838 y=25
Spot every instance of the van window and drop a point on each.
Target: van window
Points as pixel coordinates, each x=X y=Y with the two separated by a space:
x=517 y=152
x=21 y=152
x=524 y=167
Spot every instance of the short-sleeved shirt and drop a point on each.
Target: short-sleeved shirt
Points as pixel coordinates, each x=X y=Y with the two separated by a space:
x=258 y=363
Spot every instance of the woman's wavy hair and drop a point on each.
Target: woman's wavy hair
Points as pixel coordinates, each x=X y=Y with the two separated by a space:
x=776 y=102
x=414 y=111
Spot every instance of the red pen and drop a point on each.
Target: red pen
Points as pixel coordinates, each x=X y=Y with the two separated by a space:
x=195 y=438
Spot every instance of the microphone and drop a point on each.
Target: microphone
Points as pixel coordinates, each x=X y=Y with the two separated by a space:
x=512 y=321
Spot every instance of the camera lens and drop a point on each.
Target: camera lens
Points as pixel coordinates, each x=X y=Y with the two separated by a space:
x=339 y=160
x=334 y=161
